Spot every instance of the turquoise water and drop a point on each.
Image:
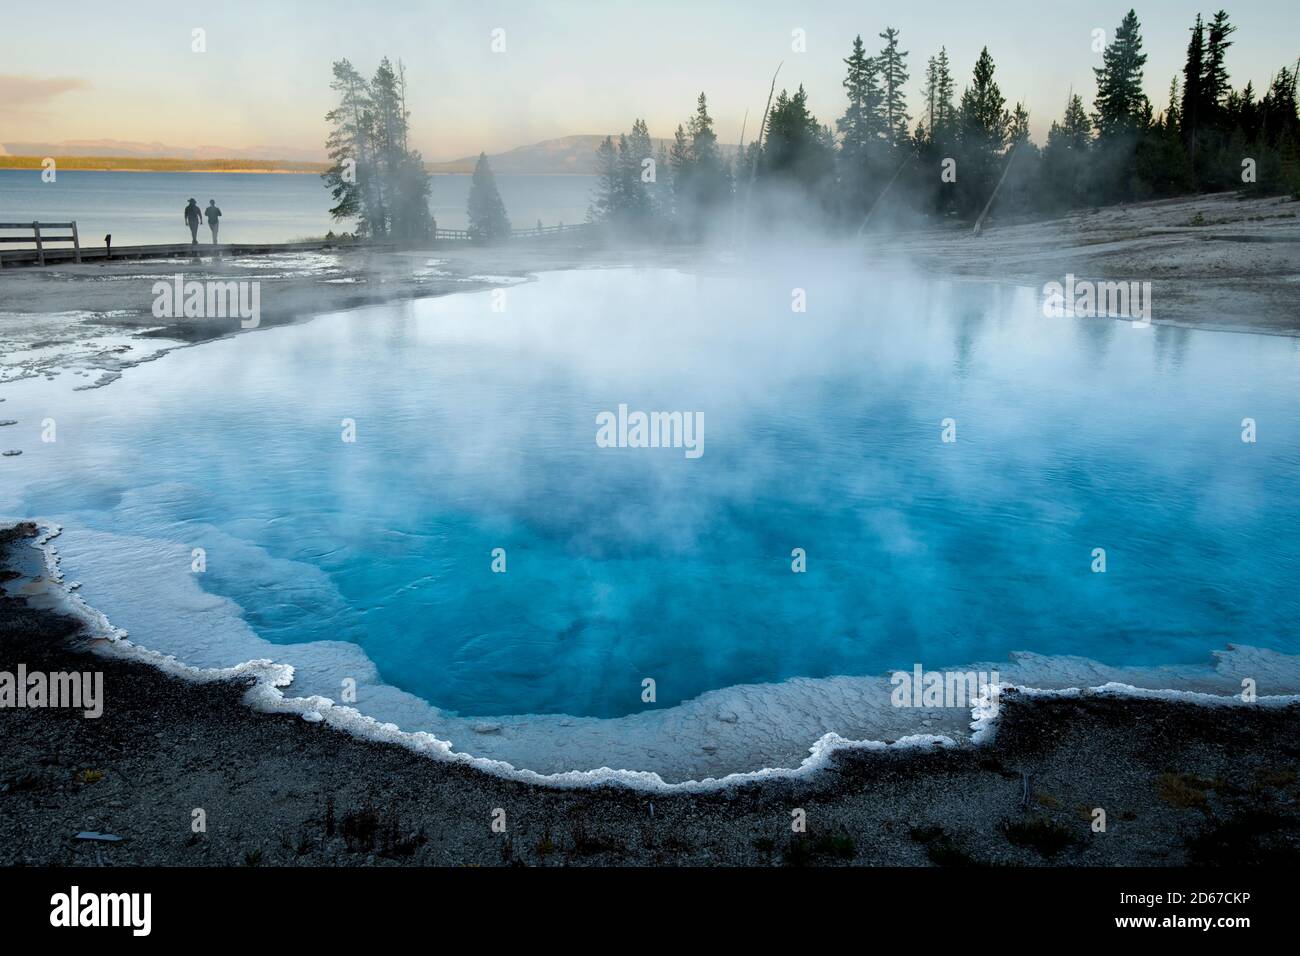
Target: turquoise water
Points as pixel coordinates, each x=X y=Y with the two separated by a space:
x=476 y=430
x=145 y=208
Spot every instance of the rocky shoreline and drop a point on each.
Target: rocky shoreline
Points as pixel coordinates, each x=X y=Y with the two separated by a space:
x=1180 y=784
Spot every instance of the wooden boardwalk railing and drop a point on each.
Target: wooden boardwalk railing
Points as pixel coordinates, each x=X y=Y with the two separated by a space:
x=462 y=235
x=41 y=238
x=181 y=250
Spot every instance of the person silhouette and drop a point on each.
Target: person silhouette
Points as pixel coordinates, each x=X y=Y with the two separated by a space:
x=214 y=218
x=193 y=216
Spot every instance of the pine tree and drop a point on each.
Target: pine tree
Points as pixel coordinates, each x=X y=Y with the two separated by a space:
x=1120 y=104
x=798 y=150
x=984 y=121
x=1173 y=116
x=1065 y=158
x=605 y=204
x=930 y=93
x=390 y=120
x=1278 y=121
x=1194 y=86
x=938 y=97
x=795 y=144
x=982 y=132
x=412 y=220
x=1019 y=193
x=1246 y=113
x=348 y=146
x=703 y=183
x=487 y=213
x=1161 y=165
x=1018 y=131
x=384 y=130
x=893 y=77
x=944 y=92
x=679 y=158
x=704 y=141
x=1076 y=125
x=413 y=184
x=633 y=150
x=375 y=175
x=861 y=123
x=1215 y=80
x=679 y=153
x=663 y=189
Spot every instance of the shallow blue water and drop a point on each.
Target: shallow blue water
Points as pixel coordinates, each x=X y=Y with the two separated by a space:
x=476 y=430
x=144 y=208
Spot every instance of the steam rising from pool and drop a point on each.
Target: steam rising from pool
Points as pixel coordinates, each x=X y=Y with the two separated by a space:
x=476 y=430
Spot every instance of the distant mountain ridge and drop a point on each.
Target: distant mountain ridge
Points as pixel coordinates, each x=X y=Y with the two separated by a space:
x=155 y=150
x=567 y=155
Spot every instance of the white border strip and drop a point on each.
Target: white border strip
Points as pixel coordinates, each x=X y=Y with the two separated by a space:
x=265 y=695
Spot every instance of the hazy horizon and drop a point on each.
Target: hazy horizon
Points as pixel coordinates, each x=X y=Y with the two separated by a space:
x=568 y=68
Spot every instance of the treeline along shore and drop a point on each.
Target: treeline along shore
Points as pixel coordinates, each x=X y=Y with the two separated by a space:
x=962 y=155
x=146 y=164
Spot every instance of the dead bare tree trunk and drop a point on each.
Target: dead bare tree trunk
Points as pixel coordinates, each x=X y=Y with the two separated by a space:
x=979 y=223
x=740 y=156
x=753 y=167
x=897 y=172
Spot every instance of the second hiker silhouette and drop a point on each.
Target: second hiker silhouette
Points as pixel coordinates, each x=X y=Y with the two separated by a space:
x=193 y=216
x=214 y=218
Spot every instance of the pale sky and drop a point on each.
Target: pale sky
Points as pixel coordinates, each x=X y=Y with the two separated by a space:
x=125 y=71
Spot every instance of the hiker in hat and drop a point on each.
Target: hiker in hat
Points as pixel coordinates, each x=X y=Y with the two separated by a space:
x=214 y=218
x=193 y=216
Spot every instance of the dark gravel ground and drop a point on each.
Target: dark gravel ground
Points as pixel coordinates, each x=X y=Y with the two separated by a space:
x=1180 y=784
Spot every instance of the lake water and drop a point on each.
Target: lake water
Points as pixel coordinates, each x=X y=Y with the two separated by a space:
x=476 y=430
x=144 y=208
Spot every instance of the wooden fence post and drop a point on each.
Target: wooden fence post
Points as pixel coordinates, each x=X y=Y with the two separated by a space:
x=76 y=242
x=40 y=249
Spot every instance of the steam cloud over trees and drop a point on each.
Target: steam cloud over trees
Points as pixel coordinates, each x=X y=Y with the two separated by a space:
x=965 y=149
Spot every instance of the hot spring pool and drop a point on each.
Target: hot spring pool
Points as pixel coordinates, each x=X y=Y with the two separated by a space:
x=476 y=430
